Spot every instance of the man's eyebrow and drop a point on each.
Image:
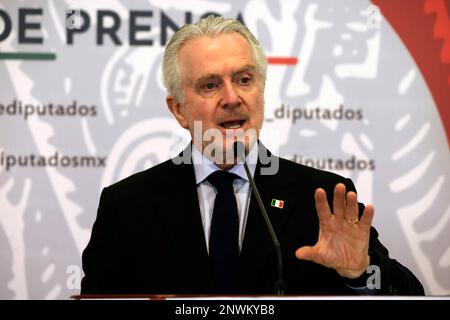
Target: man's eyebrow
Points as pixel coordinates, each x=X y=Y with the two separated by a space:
x=246 y=68
x=206 y=77
x=210 y=76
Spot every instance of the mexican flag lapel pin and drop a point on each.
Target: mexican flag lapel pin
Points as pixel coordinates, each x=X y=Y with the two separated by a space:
x=277 y=203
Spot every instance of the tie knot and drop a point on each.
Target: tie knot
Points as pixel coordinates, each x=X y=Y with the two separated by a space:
x=222 y=180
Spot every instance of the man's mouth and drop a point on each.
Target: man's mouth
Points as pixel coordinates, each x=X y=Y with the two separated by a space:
x=234 y=124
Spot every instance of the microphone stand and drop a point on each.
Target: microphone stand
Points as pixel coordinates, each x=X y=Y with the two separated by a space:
x=280 y=287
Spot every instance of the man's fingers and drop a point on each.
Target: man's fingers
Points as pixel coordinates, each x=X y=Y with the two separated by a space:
x=351 y=210
x=367 y=217
x=305 y=253
x=323 y=210
x=339 y=201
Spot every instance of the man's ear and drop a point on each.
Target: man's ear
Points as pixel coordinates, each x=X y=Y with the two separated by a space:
x=176 y=108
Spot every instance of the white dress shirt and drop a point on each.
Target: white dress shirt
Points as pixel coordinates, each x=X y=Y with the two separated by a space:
x=203 y=167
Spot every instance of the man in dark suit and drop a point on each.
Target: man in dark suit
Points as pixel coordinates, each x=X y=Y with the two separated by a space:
x=168 y=230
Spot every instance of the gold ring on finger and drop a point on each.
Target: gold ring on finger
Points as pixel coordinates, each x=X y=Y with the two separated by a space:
x=353 y=221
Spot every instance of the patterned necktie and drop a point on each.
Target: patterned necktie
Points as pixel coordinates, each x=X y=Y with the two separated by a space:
x=224 y=236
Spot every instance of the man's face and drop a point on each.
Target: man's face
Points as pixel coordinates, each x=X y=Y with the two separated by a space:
x=221 y=88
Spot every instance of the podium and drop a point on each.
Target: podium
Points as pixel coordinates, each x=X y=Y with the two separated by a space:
x=169 y=297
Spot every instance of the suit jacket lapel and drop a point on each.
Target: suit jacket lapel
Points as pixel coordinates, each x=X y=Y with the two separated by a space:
x=180 y=210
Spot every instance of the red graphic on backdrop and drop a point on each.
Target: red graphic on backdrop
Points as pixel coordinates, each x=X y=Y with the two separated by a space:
x=442 y=26
x=424 y=28
x=282 y=60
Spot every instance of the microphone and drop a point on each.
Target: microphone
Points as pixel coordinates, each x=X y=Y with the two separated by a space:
x=280 y=287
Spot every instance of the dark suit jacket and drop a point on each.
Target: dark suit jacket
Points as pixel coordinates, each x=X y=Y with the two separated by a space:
x=148 y=237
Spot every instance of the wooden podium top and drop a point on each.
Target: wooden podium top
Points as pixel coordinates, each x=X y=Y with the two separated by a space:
x=245 y=297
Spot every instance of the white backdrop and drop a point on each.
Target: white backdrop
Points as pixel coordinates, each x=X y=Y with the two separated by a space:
x=82 y=106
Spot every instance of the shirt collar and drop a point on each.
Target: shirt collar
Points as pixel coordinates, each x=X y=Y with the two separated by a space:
x=203 y=166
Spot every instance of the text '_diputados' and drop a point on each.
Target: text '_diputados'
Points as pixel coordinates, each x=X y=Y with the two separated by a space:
x=286 y=111
x=25 y=110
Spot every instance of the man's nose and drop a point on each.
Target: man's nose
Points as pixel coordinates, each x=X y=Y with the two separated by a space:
x=230 y=97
